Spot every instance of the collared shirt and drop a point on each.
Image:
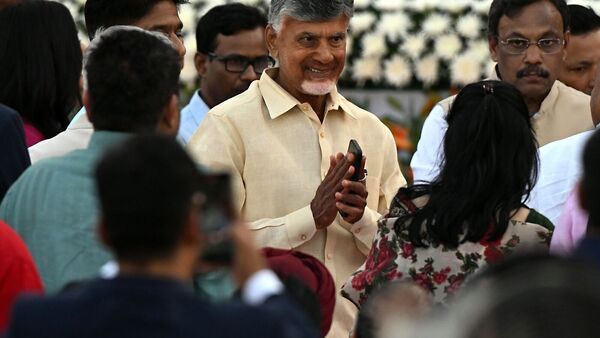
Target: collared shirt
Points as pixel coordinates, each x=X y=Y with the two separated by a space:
x=564 y=112
x=77 y=136
x=277 y=151
x=53 y=207
x=191 y=117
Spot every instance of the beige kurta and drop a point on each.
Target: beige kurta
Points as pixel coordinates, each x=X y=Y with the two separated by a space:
x=278 y=153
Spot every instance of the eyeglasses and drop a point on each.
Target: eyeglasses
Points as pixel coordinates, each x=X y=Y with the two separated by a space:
x=519 y=46
x=239 y=64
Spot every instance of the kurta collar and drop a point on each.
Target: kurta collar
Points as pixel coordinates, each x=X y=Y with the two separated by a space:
x=279 y=101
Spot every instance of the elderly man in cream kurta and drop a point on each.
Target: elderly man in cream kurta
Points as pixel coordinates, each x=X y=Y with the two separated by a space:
x=558 y=111
x=277 y=139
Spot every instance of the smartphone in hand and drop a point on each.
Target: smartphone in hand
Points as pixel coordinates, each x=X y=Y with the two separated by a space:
x=216 y=217
x=354 y=148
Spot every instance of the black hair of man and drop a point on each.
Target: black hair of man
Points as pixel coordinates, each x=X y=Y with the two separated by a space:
x=511 y=8
x=107 y=13
x=583 y=20
x=590 y=183
x=145 y=189
x=131 y=76
x=226 y=20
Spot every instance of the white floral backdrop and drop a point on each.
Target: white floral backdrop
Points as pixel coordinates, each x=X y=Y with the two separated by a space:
x=415 y=44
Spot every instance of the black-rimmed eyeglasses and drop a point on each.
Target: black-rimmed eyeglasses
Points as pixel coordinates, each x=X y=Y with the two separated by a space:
x=519 y=46
x=239 y=64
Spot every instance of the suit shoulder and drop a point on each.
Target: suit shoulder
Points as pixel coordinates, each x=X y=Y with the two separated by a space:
x=572 y=94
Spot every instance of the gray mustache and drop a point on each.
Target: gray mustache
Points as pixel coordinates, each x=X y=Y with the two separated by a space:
x=533 y=70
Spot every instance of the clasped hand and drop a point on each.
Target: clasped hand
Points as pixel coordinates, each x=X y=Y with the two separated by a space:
x=338 y=193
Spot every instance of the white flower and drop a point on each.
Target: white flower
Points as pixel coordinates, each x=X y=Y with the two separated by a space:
x=427 y=69
x=366 y=68
x=481 y=7
x=397 y=71
x=188 y=73
x=414 y=45
x=387 y=5
x=394 y=25
x=436 y=24
x=446 y=46
x=469 y=26
x=489 y=68
x=452 y=6
x=479 y=49
x=361 y=3
x=362 y=21
x=373 y=44
x=464 y=70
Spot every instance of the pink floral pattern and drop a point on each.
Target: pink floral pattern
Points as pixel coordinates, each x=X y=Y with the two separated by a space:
x=436 y=268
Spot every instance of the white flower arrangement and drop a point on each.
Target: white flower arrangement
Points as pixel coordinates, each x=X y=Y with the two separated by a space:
x=464 y=69
x=362 y=22
x=394 y=25
x=414 y=45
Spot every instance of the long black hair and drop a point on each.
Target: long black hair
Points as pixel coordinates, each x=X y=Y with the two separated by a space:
x=40 y=63
x=489 y=168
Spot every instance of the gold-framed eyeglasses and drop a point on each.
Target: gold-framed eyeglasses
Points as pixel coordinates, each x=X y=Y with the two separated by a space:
x=239 y=64
x=517 y=46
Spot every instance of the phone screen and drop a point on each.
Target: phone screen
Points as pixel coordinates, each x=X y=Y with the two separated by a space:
x=216 y=217
x=354 y=148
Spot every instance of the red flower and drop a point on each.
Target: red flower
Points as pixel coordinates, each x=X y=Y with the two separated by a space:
x=393 y=275
x=455 y=284
x=358 y=281
x=423 y=280
x=492 y=254
x=439 y=277
x=407 y=250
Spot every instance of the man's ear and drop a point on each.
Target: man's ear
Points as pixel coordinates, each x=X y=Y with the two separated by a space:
x=493 y=46
x=169 y=124
x=567 y=39
x=200 y=61
x=271 y=39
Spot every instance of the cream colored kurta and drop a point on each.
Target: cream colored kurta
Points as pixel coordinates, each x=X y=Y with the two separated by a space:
x=278 y=153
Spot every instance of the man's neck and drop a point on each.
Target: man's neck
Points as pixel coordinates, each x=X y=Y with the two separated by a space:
x=533 y=105
x=166 y=268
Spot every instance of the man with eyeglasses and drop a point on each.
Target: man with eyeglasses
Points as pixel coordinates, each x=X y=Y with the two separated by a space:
x=284 y=141
x=231 y=53
x=527 y=39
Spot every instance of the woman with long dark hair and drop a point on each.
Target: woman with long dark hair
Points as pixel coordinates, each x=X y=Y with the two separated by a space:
x=439 y=233
x=40 y=66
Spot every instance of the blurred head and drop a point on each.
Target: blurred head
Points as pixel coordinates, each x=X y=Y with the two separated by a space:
x=490 y=165
x=392 y=310
x=14 y=159
x=583 y=50
x=153 y=15
x=515 y=24
x=144 y=213
x=231 y=51
x=590 y=182
x=132 y=81
x=309 y=40
x=40 y=63
x=309 y=283
x=520 y=295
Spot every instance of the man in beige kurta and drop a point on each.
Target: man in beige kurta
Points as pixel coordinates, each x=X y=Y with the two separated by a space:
x=277 y=139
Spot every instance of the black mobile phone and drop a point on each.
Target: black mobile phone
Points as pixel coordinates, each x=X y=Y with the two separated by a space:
x=354 y=148
x=216 y=217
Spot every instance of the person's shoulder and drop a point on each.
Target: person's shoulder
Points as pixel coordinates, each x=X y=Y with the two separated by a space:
x=568 y=93
x=241 y=104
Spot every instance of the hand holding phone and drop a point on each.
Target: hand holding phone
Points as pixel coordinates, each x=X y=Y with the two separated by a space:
x=354 y=148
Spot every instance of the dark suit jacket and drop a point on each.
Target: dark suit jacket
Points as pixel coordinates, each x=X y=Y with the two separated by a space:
x=142 y=307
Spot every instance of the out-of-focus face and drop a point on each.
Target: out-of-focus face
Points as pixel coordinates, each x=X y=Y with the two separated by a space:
x=163 y=17
x=581 y=59
x=221 y=76
x=534 y=71
x=311 y=55
x=595 y=99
